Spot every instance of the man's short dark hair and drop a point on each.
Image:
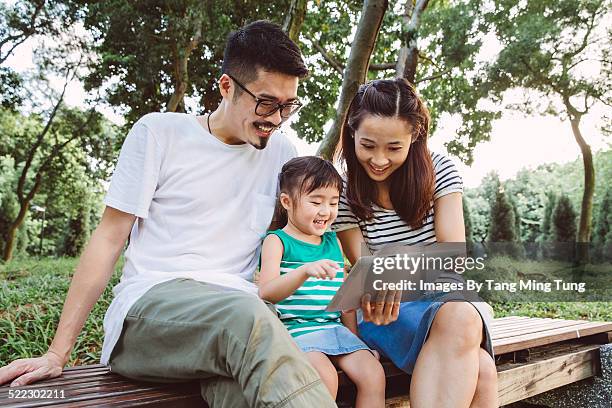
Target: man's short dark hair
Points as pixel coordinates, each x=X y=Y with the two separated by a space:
x=261 y=44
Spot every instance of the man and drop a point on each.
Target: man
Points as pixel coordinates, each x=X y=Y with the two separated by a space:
x=196 y=195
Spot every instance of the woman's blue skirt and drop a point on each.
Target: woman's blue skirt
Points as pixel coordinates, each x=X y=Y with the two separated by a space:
x=402 y=340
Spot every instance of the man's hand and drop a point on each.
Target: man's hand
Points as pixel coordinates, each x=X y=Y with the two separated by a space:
x=28 y=370
x=323 y=269
x=386 y=308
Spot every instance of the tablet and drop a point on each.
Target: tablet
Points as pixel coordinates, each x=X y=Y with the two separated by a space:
x=403 y=273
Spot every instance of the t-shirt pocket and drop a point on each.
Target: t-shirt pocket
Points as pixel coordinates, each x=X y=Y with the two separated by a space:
x=263 y=210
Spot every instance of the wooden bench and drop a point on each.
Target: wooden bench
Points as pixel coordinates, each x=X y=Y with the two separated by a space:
x=533 y=355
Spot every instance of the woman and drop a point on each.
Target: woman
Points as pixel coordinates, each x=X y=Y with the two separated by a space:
x=398 y=192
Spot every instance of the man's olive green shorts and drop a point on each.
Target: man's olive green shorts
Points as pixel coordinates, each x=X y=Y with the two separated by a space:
x=231 y=341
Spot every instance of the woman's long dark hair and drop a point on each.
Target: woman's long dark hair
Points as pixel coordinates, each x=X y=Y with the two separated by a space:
x=412 y=184
x=303 y=175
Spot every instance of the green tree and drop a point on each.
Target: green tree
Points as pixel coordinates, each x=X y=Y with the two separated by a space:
x=551 y=202
x=23 y=19
x=11 y=92
x=439 y=42
x=517 y=217
x=355 y=72
x=545 y=46
x=153 y=55
x=603 y=232
x=564 y=220
x=527 y=195
x=503 y=219
x=39 y=149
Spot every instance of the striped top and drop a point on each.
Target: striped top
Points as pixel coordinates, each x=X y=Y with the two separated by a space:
x=304 y=311
x=386 y=227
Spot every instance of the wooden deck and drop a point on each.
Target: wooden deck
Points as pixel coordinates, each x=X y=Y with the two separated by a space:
x=533 y=355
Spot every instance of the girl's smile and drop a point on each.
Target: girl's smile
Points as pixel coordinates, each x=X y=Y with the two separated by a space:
x=311 y=214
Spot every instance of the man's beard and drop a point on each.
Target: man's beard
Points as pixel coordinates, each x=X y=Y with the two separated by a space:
x=263 y=141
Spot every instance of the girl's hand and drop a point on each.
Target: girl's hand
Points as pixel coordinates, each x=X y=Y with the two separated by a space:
x=323 y=269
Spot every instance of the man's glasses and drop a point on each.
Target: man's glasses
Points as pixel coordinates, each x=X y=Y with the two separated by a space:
x=267 y=107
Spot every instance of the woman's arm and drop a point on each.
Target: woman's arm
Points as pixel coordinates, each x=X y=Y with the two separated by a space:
x=448 y=218
x=449 y=225
x=349 y=319
x=351 y=241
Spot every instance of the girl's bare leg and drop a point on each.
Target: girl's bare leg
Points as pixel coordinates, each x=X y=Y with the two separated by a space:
x=367 y=374
x=326 y=370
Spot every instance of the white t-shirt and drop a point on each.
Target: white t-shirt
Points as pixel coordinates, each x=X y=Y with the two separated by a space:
x=203 y=208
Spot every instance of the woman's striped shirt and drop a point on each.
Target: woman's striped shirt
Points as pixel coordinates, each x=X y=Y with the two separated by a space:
x=386 y=227
x=304 y=311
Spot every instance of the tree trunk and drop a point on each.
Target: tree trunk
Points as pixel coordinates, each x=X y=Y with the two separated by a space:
x=181 y=72
x=586 y=209
x=356 y=69
x=294 y=19
x=408 y=56
x=9 y=245
x=7 y=252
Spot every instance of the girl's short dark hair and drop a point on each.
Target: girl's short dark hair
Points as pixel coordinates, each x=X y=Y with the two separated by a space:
x=303 y=175
x=261 y=44
x=412 y=185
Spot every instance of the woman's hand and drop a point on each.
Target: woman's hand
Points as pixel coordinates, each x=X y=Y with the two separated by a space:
x=28 y=370
x=323 y=269
x=384 y=310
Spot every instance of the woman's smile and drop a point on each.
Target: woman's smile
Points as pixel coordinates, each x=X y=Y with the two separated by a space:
x=379 y=171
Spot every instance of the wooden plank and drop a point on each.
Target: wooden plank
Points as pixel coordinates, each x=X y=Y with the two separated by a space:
x=94 y=371
x=109 y=387
x=122 y=396
x=543 y=328
x=86 y=367
x=507 y=318
x=518 y=326
x=71 y=383
x=521 y=321
x=533 y=322
x=398 y=402
x=536 y=339
x=523 y=342
x=148 y=399
x=496 y=323
x=536 y=377
x=528 y=323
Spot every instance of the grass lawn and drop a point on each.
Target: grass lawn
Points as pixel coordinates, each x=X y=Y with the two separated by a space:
x=32 y=293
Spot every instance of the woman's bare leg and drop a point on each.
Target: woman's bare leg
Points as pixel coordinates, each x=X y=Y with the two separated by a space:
x=446 y=371
x=486 y=388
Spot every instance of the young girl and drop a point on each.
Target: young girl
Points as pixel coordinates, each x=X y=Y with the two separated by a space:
x=301 y=270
